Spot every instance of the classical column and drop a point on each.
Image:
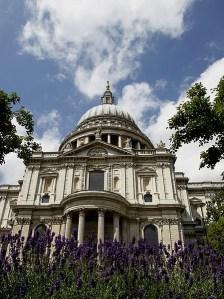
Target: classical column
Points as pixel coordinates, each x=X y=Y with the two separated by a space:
x=81 y=226
x=138 y=145
x=116 y=227
x=100 y=233
x=119 y=141
x=125 y=230
x=108 y=138
x=62 y=229
x=68 y=226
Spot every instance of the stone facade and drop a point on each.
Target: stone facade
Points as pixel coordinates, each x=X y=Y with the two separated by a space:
x=107 y=181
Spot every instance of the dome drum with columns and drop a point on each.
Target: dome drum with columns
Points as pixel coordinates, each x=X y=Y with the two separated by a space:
x=107 y=181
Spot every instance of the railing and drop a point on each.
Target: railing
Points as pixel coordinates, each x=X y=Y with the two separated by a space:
x=206 y=185
x=10 y=187
x=50 y=155
x=152 y=151
x=145 y=152
x=45 y=155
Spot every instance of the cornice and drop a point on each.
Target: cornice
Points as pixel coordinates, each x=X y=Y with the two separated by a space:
x=160 y=221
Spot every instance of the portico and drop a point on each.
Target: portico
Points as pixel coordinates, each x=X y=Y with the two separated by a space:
x=106 y=224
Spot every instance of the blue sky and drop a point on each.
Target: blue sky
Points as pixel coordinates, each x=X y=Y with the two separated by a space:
x=57 y=55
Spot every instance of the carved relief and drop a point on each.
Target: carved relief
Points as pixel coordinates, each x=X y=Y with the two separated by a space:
x=161 y=144
x=53 y=220
x=23 y=220
x=97 y=152
x=68 y=147
x=160 y=221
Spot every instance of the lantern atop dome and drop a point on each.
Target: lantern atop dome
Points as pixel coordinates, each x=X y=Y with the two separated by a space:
x=107 y=97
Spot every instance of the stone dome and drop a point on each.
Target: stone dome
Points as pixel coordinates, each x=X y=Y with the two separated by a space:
x=109 y=123
x=106 y=110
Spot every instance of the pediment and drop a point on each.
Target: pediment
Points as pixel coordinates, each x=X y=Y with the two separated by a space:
x=146 y=171
x=195 y=201
x=97 y=149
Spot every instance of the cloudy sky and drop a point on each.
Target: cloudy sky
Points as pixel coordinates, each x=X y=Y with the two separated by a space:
x=57 y=55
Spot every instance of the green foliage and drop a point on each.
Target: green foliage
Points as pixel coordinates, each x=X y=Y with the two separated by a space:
x=215 y=207
x=10 y=140
x=215 y=221
x=215 y=233
x=54 y=267
x=200 y=119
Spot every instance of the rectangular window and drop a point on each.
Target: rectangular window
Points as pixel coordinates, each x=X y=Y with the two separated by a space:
x=45 y=198
x=96 y=180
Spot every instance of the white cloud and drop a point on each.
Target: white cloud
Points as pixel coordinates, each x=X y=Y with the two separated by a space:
x=50 y=122
x=50 y=140
x=160 y=84
x=211 y=76
x=60 y=77
x=98 y=40
x=13 y=169
x=138 y=99
x=188 y=156
x=51 y=118
x=19 y=129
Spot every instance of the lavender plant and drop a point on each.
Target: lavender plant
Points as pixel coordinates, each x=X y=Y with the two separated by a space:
x=54 y=267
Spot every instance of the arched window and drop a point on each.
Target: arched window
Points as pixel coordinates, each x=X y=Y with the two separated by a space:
x=96 y=180
x=151 y=235
x=40 y=230
x=147 y=197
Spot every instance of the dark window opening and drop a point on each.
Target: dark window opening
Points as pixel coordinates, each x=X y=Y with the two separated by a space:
x=45 y=198
x=198 y=222
x=91 y=138
x=96 y=180
x=143 y=146
x=104 y=137
x=74 y=144
x=147 y=197
x=134 y=143
x=114 y=139
x=151 y=235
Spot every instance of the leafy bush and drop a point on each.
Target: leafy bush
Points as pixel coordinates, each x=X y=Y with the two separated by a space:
x=216 y=235
x=55 y=267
